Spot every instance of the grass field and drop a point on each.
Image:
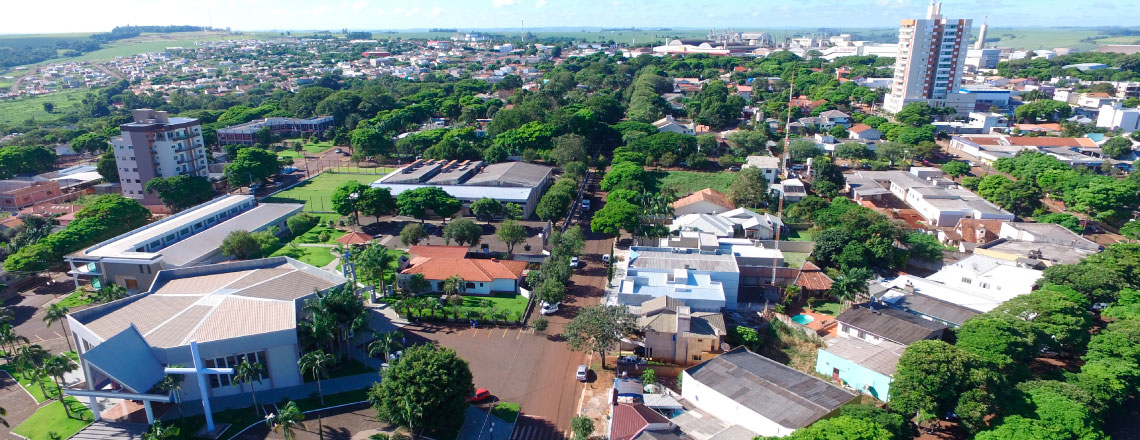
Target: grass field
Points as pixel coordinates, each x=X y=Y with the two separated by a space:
x=18 y=41
x=313 y=235
x=316 y=256
x=684 y=182
x=512 y=303
x=75 y=299
x=32 y=384
x=312 y=147
x=795 y=259
x=50 y=419
x=19 y=110
x=316 y=193
x=150 y=43
x=1043 y=38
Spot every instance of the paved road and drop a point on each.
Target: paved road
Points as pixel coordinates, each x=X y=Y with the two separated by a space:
x=28 y=310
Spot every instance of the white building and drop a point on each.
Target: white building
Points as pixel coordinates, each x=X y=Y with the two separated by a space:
x=939 y=200
x=983 y=58
x=931 y=55
x=156 y=145
x=702 y=280
x=668 y=123
x=762 y=395
x=979 y=283
x=768 y=165
x=1115 y=117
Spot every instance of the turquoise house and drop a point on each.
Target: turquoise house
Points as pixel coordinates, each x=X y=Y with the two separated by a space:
x=862 y=366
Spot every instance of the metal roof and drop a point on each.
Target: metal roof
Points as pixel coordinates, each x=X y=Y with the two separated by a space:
x=123 y=246
x=890 y=324
x=127 y=359
x=784 y=395
x=882 y=358
x=208 y=242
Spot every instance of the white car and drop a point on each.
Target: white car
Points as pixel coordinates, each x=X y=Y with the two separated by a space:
x=573 y=262
x=606 y=258
x=585 y=204
x=582 y=374
x=549 y=309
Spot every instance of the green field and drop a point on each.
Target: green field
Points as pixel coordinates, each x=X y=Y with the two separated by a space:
x=1043 y=38
x=18 y=41
x=50 y=419
x=312 y=147
x=316 y=256
x=512 y=303
x=684 y=182
x=19 y=110
x=315 y=193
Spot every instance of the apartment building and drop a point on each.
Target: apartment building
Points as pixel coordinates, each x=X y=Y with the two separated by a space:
x=157 y=145
x=928 y=68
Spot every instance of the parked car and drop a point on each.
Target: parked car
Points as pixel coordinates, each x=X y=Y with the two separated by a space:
x=481 y=394
x=573 y=262
x=338 y=151
x=583 y=373
x=550 y=309
x=255 y=186
x=734 y=168
x=288 y=170
x=606 y=258
x=585 y=204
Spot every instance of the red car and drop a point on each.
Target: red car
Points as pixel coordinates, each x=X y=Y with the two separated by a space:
x=481 y=394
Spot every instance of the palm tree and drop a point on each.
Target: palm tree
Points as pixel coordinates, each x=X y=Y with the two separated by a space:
x=30 y=357
x=453 y=285
x=317 y=363
x=58 y=313
x=385 y=342
x=9 y=339
x=850 y=285
x=56 y=367
x=110 y=293
x=287 y=420
x=172 y=384
x=159 y=431
x=248 y=373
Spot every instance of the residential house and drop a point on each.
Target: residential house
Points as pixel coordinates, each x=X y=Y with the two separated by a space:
x=18 y=194
x=630 y=421
x=705 y=201
x=969 y=232
x=914 y=298
x=805 y=103
x=739 y=223
x=768 y=165
x=1034 y=244
x=859 y=365
x=672 y=332
x=864 y=132
x=480 y=276
x=831 y=118
x=979 y=283
x=886 y=325
x=1116 y=117
x=762 y=395
x=940 y=201
x=706 y=281
x=792 y=190
x=668 y=123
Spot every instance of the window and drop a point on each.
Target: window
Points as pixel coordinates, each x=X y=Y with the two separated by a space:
x=219 y=380
x=141 y=269
x=696 y=357
x=862 y=334
x=967 y=280
x=471 y=285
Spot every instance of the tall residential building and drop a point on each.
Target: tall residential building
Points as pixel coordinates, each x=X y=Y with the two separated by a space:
x=156 y=145
x=932 y=52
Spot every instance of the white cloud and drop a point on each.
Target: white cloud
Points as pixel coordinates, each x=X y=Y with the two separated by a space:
x=359 y=5
x=501 y=3
x=540 y=3
x=321 y=9
x=436 y=11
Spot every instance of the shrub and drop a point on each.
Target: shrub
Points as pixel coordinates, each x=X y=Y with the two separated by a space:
x=539 y=325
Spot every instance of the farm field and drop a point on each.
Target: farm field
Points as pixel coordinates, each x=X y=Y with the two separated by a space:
x=684 y=182
x=19 y=110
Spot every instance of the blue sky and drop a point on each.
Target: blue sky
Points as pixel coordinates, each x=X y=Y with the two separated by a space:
x=85 y=15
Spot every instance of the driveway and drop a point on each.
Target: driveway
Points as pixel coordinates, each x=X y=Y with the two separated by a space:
x=19 y=404
x=28 y=310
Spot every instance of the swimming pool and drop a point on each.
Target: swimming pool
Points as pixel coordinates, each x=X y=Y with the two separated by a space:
x=803 y=319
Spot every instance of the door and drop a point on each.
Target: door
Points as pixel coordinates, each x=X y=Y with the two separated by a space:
x=835 y=374
x=132 y=284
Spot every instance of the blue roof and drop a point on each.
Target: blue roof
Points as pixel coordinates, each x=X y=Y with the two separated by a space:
x=126 y=358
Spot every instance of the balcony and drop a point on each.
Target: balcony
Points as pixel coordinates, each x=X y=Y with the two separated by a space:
x=190 y=159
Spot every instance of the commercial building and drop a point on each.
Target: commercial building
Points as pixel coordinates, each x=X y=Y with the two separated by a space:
x=983 y=58
x=507 y=182
x=760 y=394
x=246 y=310
x=1075 y=152
x=1115 y=117
x=246 y=134
x=157 y=145
x=931 y=55
x=705 y=281
x=190 y=238
x=939 y=200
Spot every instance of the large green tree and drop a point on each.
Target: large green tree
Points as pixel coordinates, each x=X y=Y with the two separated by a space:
x=417 y=202
x=749 y=188
x=463 y=231
x=181 y=191
x=598 y=329
x=251 y=165
x=929 y=378
x=425 y=391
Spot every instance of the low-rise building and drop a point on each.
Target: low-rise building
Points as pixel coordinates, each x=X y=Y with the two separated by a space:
x=768 y=165
x=705 y=201
x=480 y=276
x=939 y=200
x=1115 y=117
x=978 y=283
x=672 y=332
x=1038 y=244
x=864 y=132
x=19 y=194
x=246 y=134
x=507 y=182
x=859 y=365
x=668 y=123
x=706 y=281
x=737 y=223
x=885 y=325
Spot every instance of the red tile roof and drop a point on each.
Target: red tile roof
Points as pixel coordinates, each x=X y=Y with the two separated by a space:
x=705 y=195
x=438 y=251
x=630 y=419
x=466 y=268
x=811 y=278
x=859 y=128
x=354 y=238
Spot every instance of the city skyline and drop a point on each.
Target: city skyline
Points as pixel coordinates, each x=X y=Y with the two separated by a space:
x=255 y=15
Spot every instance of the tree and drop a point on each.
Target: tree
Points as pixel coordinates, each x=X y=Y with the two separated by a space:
x=417 y=202
x=749 y=188
x=555 y=204
x=1057 y=315
x=924 y=246
x=251 y=165
x=955 y=168
x=838 y=132
x=369 y=142
x=376 y=201
x=850 y=284
x=892 y=422
x=384 y=343
x=426 y=390
x=346 y=197
x=1117 y=147
x=551 y=291
x=89 y=143
x=513 y=211
x=1069 y=221
x=853 y=150
x=928 y=379
x=649 y=376
x=486 y=209
x=58 y=313
x=162 y=431
x=241 y=245
x=107 y=167
x=598 y=328
x=568 y=148
x=181 y=191
x=511 y=233
x=289 y=419
x=915 y=114
x=301 y=223
x=582 y=426
x=803 y=149
x=624 y=175
x=616 y=216
x=56 y=367
x=373 y=261
x=316 y=363
x=842 y=427
x=172 y=385
x=1002 y=345
x=464 y=231
x=412 y=234
x=248 y=373
x=749 y=141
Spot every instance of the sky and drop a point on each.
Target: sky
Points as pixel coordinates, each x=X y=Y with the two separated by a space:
x=22 y=16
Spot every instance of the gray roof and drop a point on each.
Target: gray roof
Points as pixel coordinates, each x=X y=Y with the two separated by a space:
x=127 y=359
x=517 y=174
x=882 y=358
x=1059 y=253
x=206 y=243
x=670 y=258
x=893 y=325
x=933 y=307
x=784 y=395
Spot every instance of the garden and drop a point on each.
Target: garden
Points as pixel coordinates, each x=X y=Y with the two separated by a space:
x=498 y=308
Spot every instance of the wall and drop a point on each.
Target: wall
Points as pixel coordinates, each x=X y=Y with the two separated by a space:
x=712 y=402
x=853 y=375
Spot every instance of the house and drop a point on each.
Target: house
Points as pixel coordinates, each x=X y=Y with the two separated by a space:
x=831 y=118
x=230 y=312
x=705 y=201
x=859 y=365
x=768 y=165
x=668 y=123
x=739 y=223
x=968 y=233
x=480 y=276
x=672 y=332
x=864 y=132
x=1116 y=117
x=983 y=274
x=520 y=183
x=940 y=201
x=792 y=190
x=630 y=420
x=812 y=281
x=914 y=298
x=18 y=194
x=805 y=103
x=762 y=395
x=190 y=238
x=1036 y=244
x=975 y=284
x=885 y=325
x=705 y=281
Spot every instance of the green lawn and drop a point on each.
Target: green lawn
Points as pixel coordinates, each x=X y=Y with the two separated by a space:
x=51 y=419
x=513 y=303
x=313 y=235
x=506 y=411
x=349 y=367
x=313 y=147
x=390 y=272
x=32 y=384
x=829 y=307
x=684 y=182
x=289 y=154
x=316 y=193
x=794 y=259
x=17 y=111
x=799 y=236
x=76 y=299
x=363 y=170
x=311 y=403
x=316 y=256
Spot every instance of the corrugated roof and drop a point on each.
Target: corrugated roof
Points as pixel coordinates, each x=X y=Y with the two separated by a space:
x=705 y=195
x=145 y=313
x=774 y=390
x=287 y=287
x=200 y=285
x=894 y=325
x=629 y=420
x=882 y=358
x=205 y=243
x=174 y=331
x=516 y=174
x=238 y=316
x=127 y=359
x=438 y=251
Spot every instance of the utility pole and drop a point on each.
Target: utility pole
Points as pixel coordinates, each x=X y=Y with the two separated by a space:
x=784 y=164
